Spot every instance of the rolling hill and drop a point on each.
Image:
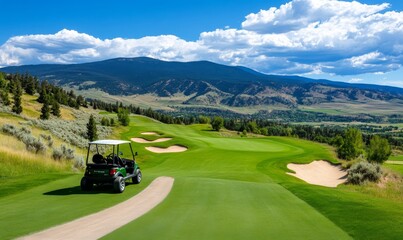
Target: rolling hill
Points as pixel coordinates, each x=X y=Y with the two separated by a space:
x=205 y=83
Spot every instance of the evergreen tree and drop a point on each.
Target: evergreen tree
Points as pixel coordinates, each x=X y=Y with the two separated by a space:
x=17 y=108
x=29 y=85
x=3 y=82
x=92 y=129
x=123 y=116
x=45 y=110
x=43 y=93
x=378 y=150
x=4 y=97
x=56 y=108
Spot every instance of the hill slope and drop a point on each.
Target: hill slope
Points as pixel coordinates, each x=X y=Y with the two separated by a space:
x=205 y=83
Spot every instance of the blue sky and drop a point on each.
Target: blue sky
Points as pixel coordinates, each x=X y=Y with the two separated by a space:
x=349 y=41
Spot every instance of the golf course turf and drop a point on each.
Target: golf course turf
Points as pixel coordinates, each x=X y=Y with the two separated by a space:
x=225 y=188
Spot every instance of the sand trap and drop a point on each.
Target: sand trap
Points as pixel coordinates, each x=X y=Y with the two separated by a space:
x=171 y=149
x=142 y=140
x=99 y=224
x=319 y=173
x=149 y=133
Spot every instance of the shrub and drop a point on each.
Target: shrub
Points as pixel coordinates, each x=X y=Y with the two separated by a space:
x=105 y=121
x=67 y=152
x=79 y=163
x=362 y=172
x=57 y=154
x=24 y=134
x=9 y=129
x=33 y=144
x=217 y=123
x=63 y=152
x=72 y=132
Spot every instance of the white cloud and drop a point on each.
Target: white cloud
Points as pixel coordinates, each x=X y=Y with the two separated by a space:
x=355 y=80
x=299 y=37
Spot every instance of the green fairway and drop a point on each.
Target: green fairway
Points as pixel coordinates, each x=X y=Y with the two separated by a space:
x=225 y=188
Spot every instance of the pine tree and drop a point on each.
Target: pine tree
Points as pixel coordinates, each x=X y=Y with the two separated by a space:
x=92 y=129
x=4 y=97
x=43 y=93
x=17 y=108
x=3 y=82
x=45 y=111
x=30 y=85
x=56 y=108
x=123 y=116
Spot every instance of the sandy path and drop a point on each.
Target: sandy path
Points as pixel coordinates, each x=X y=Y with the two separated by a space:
x=319 y=173
x=149 y=133
x=395 y=162
x=101 y=223
x=142 y=140
x=171 y=149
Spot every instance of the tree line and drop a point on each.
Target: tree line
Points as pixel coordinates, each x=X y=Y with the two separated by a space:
x=51 y=96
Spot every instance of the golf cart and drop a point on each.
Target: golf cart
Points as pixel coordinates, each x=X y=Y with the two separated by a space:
x=110 y=168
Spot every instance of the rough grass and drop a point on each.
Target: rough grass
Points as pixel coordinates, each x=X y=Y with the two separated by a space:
x=20 y=169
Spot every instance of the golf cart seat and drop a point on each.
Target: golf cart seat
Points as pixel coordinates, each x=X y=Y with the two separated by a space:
x=98 y=159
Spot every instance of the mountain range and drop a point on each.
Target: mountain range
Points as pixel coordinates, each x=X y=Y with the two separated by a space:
x=205 y=83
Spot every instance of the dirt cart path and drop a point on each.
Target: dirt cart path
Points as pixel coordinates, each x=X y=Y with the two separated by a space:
x=101 y=223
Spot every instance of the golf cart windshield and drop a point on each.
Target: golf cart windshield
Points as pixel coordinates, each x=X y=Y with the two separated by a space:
x=109 y=152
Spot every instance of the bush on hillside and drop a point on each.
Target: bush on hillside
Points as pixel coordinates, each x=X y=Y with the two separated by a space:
x=63 y=153
x=57 y=154
x=24 y=134
x=73 y=132
x=79 y=162
x=9 y=129
x=363 y=172
x=48 y=138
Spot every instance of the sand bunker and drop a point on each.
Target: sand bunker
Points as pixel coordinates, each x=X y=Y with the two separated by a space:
x=142 y=140
x=149 y=133
x=319 y=173
x=171 y=149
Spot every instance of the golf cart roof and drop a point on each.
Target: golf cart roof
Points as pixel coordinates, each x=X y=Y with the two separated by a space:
x=109 y=142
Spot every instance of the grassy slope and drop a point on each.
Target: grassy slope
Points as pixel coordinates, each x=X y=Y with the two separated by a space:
x=224 y=188
x=18 y=165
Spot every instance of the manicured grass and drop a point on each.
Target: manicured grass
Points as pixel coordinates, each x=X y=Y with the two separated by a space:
x=225 y=188
x=209 y=208
x=395 y=167
x=54 y=203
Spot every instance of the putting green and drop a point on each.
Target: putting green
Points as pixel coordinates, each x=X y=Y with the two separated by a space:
x=225 y=188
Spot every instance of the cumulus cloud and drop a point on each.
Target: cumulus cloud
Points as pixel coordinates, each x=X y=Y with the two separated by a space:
x=299 y=37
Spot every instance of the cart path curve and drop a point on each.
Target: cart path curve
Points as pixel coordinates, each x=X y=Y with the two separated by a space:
x=99 y=224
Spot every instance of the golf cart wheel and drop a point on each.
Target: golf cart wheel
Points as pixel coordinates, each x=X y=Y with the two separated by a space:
x=119 y=184
x=137 y=179
x=86 y=184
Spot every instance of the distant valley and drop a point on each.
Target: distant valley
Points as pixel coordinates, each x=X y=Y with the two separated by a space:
x=189 y=85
